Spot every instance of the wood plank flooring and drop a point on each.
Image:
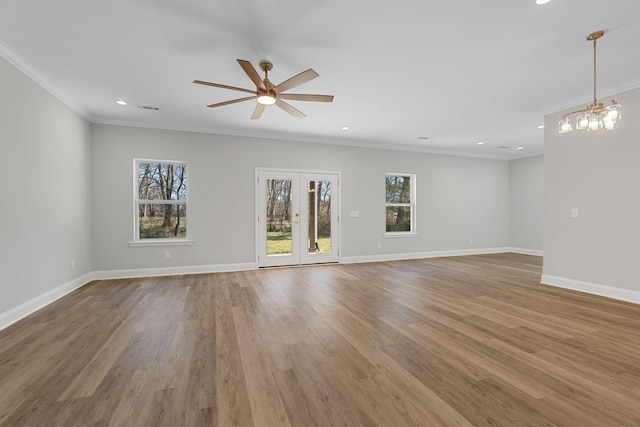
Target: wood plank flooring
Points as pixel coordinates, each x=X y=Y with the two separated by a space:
x=463 y=341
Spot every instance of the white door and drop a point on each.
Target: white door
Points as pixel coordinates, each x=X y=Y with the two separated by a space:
x=297 y=219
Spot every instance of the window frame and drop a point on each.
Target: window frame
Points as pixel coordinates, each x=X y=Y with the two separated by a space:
x=163 y=241
x=411 y=205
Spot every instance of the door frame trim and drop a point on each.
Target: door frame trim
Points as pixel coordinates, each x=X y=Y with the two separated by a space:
x=256 y=202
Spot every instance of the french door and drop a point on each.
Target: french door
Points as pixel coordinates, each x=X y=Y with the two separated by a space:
x=297 y=218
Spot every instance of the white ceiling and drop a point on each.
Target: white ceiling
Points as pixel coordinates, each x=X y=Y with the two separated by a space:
x=457 y=71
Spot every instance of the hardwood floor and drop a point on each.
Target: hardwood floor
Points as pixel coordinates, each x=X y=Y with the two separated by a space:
x=437 y=342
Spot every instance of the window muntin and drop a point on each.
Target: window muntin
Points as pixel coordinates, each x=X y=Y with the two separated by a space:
x=400 y=203
x=161 y=200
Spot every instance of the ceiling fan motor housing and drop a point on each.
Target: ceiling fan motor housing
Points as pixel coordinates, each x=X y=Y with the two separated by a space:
x=266 y=66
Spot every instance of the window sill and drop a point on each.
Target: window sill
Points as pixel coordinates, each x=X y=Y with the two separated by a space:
x=400 y=235
x=160 y=242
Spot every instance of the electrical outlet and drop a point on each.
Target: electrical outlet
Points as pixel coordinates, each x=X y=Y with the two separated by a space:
x=379 y=245
x=167 y=255
x=470 y=240
x=73 y=264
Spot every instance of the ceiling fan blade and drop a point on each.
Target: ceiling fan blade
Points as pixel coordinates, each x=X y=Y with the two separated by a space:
x=257 y=113
x=200 y=82
x=305 y=97
x=290 y=109
x=252 y=73
x=296 y=80
x=233 y=101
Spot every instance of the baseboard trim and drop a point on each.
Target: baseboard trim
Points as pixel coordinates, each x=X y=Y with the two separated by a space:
x=418 y=255
x=25 y=309
x=621 y=294
x=523 y=251
x=172 y=271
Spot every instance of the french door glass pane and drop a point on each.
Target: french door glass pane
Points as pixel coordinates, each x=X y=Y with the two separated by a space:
x=319 y=205
x=279 y=238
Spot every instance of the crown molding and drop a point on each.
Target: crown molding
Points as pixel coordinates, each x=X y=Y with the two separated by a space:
x=21 y=64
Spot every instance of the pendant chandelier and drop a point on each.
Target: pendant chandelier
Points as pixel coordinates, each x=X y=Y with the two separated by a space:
x=596 y=116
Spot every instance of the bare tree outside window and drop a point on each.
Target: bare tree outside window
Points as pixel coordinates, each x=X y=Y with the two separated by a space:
x=399 y=203
x=162 y=200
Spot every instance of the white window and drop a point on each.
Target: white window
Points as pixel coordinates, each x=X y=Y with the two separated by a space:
x=161 y=200
x=400 y=203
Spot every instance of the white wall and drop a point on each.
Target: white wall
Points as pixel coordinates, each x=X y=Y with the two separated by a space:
x=458 y=198
x=526 y=197
x=599 y=174
x=45 y=218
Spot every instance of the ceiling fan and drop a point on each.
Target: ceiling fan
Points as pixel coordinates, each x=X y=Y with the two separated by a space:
x=267 y=94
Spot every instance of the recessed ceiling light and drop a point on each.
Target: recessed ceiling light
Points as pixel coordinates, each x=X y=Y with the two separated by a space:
x=480 y=143
x=541 y=127
x=542 y=1
x=520 y=148
x=345 y=128
x=121 y=102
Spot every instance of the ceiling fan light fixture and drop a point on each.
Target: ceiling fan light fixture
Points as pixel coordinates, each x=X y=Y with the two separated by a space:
x=596 y=116
x=266 y=99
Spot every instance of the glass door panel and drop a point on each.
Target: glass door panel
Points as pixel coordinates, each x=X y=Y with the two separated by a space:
x=319 y=214
x=278 y=219
x=319 y=219
x=278 y=216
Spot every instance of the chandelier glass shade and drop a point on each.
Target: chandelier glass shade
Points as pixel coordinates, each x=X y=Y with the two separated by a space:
x=596 y=116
